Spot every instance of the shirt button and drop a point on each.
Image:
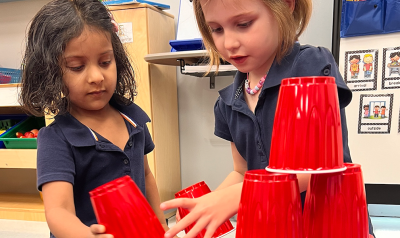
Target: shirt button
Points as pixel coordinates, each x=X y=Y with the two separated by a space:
x=126 y=161
x=130 y=143
x=259 y=145
x=327 y=72
x=102 y=146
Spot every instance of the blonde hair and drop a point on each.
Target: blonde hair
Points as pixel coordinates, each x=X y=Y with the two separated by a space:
x=291 y=25
x=368 y=55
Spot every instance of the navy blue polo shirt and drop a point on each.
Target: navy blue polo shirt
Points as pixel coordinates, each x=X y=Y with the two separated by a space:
x=252 y=132
x=71 y=152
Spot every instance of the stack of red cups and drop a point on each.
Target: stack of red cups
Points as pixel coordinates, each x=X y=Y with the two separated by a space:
x=306 y=138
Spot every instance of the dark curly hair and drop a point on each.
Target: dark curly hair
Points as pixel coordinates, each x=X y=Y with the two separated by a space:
x=59 y=21
x=393 y=54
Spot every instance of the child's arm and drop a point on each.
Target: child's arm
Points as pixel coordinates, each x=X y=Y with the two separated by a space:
x=60 y=213
x=152 y=194
x=212 y=209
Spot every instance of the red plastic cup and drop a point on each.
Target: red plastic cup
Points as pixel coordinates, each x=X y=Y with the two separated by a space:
x=120 y=206
x=336 y=206
x=195 y=191
x=307 y=134
x=270 y=206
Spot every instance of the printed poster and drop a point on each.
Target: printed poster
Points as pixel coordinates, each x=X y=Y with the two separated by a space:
x=391 y=68
x=361 y=69
x=125 y=32
x=375 y=113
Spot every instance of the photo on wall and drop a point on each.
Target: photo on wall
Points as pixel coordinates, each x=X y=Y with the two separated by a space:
x=391 y=68
x=375 y=113
x=360 y=69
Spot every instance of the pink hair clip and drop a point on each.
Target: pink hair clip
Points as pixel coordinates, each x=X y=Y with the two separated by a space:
x=115 y=24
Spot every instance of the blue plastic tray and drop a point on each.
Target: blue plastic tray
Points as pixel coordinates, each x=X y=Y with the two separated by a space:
x=14 y=73
x=116 y=2
x=20 y=118
x=184 y=45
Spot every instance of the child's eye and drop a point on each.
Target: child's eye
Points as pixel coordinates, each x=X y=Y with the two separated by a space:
x=244 y=25
x=216 y=30
x=78 y=68
x=105 y=63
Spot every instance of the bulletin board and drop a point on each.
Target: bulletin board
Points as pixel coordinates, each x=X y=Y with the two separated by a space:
x=373 y=115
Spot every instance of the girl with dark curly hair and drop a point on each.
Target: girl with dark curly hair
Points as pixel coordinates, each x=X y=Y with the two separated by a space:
x=76 y=68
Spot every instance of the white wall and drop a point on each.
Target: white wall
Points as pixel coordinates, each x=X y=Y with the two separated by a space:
x=319 y=30
x=14 y=18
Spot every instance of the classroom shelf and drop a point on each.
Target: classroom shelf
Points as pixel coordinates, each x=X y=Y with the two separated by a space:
x=191 y=63
x=28 y=207
x=18 y=158
x=173 y=58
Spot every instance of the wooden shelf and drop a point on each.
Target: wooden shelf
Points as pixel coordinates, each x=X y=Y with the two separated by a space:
x=2 y=1
x=10 y=85
x=172 y=58
x=28 y=207
x=18 y=158
x=186 y=59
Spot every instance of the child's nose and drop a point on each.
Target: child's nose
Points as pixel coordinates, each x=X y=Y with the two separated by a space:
x=231 y=40
x=95 y=75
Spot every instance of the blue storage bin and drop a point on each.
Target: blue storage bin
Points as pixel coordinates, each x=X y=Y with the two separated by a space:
x=362 y=18
x=369 y=17
x=392 y=16
x=184 y=45
x=17 y=117
x=14 y=73
x=116 y=2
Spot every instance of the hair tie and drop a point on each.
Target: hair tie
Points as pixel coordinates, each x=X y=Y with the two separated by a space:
x=115 y=24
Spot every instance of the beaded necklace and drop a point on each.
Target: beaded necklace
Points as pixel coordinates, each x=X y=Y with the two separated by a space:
x=257 y=87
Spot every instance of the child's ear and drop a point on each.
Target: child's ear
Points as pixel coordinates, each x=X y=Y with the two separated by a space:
x=291 y=4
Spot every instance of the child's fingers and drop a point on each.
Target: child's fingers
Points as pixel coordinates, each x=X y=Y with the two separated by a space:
x=211 y=228
x=198 y=227
x=183 y=223
x=177 y=216
x=175 y=203
x=97 y=229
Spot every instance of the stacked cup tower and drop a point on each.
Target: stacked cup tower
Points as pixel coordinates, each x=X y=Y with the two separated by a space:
x=306 y=138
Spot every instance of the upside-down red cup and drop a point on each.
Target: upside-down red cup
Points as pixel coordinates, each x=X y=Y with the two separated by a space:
x=270 y=206
x=197 y=190
x=307 y=134
x=335 y=205
x=121 y=207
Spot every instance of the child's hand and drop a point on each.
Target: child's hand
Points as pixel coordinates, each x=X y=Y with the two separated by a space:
x=166 y=228
x=208 y=211
x=177 y=216
x=98 y=231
